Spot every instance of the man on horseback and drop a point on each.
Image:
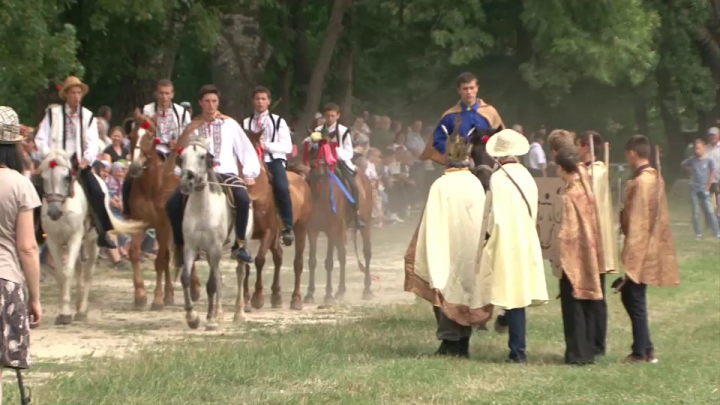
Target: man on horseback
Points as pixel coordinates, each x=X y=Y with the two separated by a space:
x=72 y=128
x=228 y=145
x=275 y=145
x=171 y=121
x=343 y=143
x=479 y=121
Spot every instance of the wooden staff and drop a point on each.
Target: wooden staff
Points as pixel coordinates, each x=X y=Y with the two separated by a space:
x=592 y=163
x=606 y=147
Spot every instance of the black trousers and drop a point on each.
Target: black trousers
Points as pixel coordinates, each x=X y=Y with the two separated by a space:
x=578 y=325
x=349 y=176
x=281 y=189
x=634 y=299
x=447 y=329
x=175 y=208
x=600 y=318
x=96 y=198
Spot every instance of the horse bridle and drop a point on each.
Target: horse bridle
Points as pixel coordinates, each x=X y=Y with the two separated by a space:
x=202 y=181
x=60 y=198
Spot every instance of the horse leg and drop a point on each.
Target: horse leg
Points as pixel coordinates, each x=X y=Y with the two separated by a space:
x=191 y=317
x=258 y=298
x=87 y=270
x=328 y=269
x=158 y=299
x=367 y=254
x=140 y=296
x=195 y=287
x=300 y=235
x=162 y=262
x=342 y=256
x=246 y=288
x=214 y=287
x=276 y=298
x=240 y=300
x=312 y=263
x=65 y=316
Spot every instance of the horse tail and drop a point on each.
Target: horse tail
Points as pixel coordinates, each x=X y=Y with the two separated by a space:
x=120 y=227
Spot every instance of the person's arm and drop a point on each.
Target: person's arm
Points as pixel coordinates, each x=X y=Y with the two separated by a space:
x=284 y=142
x=42 y=136
x=92 y=151
x=686 y=164
x=542 y=161
x=246 y=154
x=445 y=127
x=711 y=176
x=28 y=252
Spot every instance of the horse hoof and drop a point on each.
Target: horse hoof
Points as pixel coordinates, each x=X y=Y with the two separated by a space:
x=140 y=302
x=257 y=301
x=248 y=309
x=329 y=300
x=169 y=301
x=239 y=318
x=80 y=317
x=194 y=324
x=296 y=304
x=156 y=307
x=339 y=297
x=276 y=301
x=368 y=295
x=63 y=320
x=212 y=326
x=309 y=299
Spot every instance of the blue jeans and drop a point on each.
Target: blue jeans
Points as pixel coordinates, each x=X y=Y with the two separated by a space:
x=281 y=188
x=701 y=201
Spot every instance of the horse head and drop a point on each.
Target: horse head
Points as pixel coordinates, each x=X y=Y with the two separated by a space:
x=143 y=141
x=58 y=177
x=196 y=163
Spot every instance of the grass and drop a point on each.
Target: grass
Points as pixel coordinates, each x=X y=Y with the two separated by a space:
x=379 y=358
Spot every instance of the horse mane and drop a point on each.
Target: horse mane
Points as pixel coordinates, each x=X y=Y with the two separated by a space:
x=58 y=155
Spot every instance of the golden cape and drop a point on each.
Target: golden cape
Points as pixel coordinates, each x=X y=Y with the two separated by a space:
x=485 y=110
x=649 y=253
x=581 y=250
x=440 y=263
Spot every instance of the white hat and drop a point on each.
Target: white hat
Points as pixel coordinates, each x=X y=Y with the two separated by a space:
x=507 y=143
x=9 y=126
x=714 y=131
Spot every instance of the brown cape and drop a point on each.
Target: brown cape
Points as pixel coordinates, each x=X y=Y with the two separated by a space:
x=486 y=110
x=649 y=252
x=581 y=253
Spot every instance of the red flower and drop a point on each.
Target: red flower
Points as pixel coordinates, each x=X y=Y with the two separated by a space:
x=180 y=150
x=485 y=138
x=145 y=125
x=53 y=164
x=216 y=164
x=157 y=141
x=73 y=172
x=58 y=87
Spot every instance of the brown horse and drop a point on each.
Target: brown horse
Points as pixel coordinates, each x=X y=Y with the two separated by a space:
x=150 y=190
x=331 y=213
x=267 y=226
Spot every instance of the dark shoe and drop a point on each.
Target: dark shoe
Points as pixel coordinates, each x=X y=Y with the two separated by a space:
x=501 y=325
x=444 y=348
x=516 y=360
x=104 y=240
x=179 y=259
x=651 y=357
x=288 y=237
x=241 y=254
x=633 y=359
x=463 y=348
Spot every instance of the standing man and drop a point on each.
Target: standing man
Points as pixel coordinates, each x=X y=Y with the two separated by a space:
x=478 y=120
x=171 y=121
x=537 y=161
x=713 y=152
x=72 y=128
x=415 y=144
x=227 y=145
x=275 y=145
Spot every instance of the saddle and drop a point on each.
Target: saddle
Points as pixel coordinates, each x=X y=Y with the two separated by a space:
x=232 y=182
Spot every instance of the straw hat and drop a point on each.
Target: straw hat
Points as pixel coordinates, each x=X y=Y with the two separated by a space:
x=72 y=81
x=9 y=126
x=507 y=143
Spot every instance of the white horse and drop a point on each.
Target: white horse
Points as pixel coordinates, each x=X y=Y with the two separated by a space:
x=208 y=225
x=66 y=220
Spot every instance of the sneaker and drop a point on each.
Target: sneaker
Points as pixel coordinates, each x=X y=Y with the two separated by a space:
x=651 y=357
x=698 y=236
x=287 y=236
x=241 y=254
x=633 y=359
x=105 y=241
x=395 y=218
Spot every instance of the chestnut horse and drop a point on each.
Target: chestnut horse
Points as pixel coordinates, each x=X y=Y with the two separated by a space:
x=150 y=190
x=267 y=230
x=331 y=213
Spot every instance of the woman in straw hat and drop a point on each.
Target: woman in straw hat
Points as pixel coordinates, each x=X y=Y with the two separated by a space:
x=72 y=128
x=19 y=255
x=511 y=266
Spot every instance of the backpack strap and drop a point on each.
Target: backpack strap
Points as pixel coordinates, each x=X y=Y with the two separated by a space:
x=275 y=126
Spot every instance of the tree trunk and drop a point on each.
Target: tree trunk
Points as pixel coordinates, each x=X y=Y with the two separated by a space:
x=641 y=117
x=345 y=84
x=676 y=143
x=301 y=64
x=239 y=60
x=285 y=94
x=323 y=62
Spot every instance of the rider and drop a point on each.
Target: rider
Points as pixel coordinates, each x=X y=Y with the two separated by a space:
x=171 y=121
x=227 y=145
x=72 y=128
x=275 y=144
x=475 y=113
x=345 y=151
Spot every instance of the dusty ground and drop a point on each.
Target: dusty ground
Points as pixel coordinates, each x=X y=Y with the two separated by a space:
x=114 y=328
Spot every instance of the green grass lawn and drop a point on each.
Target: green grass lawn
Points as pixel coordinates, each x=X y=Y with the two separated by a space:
x=380 y=359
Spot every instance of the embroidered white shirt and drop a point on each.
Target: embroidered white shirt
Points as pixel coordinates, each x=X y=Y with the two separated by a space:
x=276 y=134
x=171 y=122
x=44 y=137
x=228 y=144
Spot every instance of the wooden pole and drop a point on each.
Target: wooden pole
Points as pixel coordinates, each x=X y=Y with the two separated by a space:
x=607 y=156
x=592 y=163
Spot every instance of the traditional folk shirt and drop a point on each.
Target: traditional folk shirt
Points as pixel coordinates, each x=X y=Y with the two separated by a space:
x=228 y=144
x=603 y=198
x=171 y=123
x=71 y=131
x=581 y=249
x=276 y=134
x=649 y=252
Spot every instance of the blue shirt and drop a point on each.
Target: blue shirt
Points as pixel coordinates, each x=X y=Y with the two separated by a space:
x=700 y=169
x=469 y=119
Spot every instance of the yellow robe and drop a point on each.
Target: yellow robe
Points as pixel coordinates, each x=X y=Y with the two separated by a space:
x=511 y=270
x=601 y=189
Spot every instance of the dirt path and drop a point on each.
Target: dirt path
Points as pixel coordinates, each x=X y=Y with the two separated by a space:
x=114 y=328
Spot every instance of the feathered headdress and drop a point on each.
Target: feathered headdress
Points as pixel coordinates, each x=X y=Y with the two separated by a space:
x=457 y=148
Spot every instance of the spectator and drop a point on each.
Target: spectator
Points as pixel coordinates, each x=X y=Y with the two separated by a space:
x=371 y=171
x=116 y=150
x=101 y=168
x=103 y=122
x=702 y=171
x=187 y=106
x=382 y=136
x=713 y=152
x=537 y=163
x=361 y=139
x=114 y=184
x=415 y=145
x=19 y=253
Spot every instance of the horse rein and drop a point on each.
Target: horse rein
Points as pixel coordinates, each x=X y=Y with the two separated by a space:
x=59 y=198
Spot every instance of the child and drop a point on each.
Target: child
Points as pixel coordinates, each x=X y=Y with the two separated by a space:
x=649 y=251
x=701 y=169
x=581 y=260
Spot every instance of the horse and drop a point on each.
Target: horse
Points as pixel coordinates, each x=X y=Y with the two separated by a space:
x=66 y=219
x=331 y=213
x=150 y=190
x=267 y=231
x=208 y=225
